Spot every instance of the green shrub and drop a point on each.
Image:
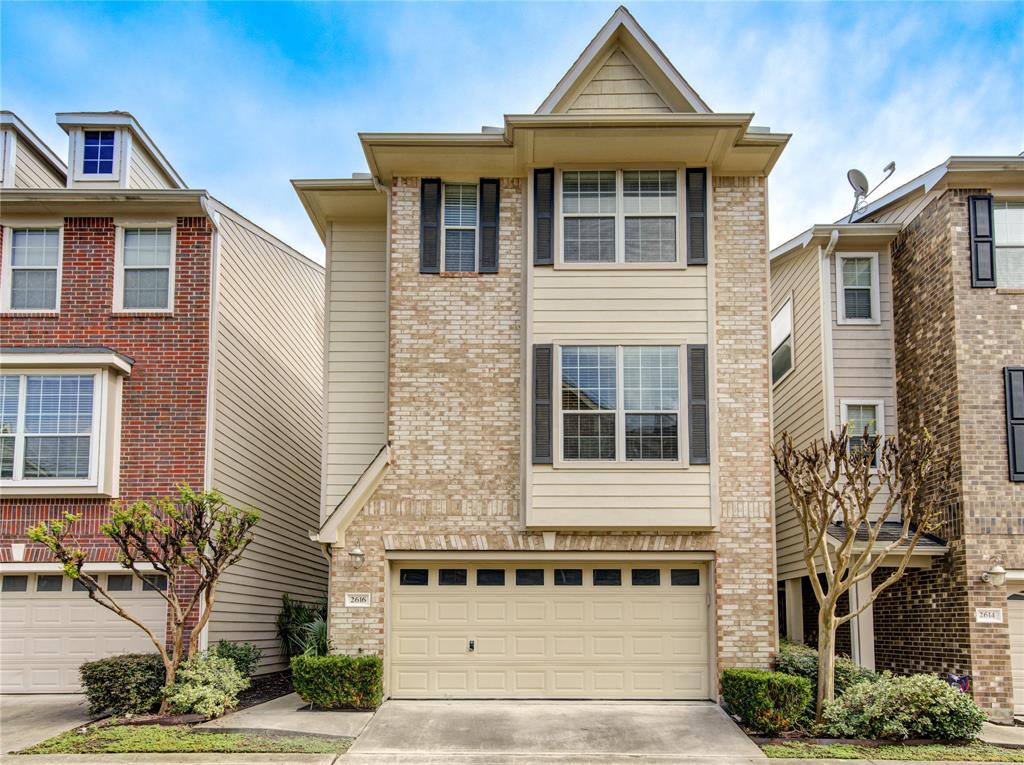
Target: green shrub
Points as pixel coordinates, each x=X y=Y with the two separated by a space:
x=339 y=681
x=206 y=685
x=245 y=656
x=127 y=684
x=315 y=641
x=767 y=702
x=919 y=706
x=292 y=620
x=802 y=661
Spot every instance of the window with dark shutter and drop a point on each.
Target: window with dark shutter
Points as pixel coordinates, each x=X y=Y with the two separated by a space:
x=543 y=217
x=983 y=264
x=697 y=217
x=543 y=363
x=697 y=400
x=489 y=210
x=430 y=226
x=1015 y=420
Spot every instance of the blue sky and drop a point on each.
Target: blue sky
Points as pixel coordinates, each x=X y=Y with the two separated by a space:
x=242 y=97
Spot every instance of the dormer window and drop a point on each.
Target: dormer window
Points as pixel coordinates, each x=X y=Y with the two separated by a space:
x=98 y=152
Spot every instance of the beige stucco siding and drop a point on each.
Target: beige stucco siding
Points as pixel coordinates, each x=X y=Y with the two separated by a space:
x=618 y=86
x=268 y=349
x=356 y=374
x=143 y=171
x=798 y=400
x=31 y=172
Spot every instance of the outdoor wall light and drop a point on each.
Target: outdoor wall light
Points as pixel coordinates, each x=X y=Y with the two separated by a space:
x=358 y=556
x=996 y=576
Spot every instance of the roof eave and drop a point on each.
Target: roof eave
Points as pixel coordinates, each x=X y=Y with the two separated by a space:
x=12 y=120
x=848 y=232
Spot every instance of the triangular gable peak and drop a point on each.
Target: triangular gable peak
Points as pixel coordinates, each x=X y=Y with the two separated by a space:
x=622 y=70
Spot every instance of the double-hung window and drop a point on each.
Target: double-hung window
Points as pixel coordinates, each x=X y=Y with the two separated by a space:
x=857 y=288
x=146 y=270
x=48 y=426
x=619 y=216
x=620 y=403
x=863 y=418
x=1008 y=219
x=32 y=269
x=782 y=341
x=98 y=152
x=460 y=227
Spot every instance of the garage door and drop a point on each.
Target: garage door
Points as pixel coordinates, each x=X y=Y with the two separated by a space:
x=48 y=629
x=549 y=630
x=1016 y=611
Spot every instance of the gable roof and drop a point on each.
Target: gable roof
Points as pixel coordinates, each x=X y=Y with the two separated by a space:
x=13 y=121
x=623 y=45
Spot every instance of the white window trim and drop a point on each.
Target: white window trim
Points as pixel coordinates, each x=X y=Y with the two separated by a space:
x=97 y=436
x=620 y=462
x=841 y=295
x=682 y=234
x=1004 y=201
x=475 y=229
x=8 y=146
x=8 y=280
x=789 y=338
x=879 y=404
x=120 y=166
x=120 y=226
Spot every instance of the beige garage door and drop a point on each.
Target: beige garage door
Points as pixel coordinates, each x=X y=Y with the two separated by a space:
x=1016 y=612
x=47 y=629
x=549 y=630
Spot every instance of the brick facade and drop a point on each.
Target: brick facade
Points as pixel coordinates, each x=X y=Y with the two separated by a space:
x=455 y=419
x=952 y=342
x=163 y=421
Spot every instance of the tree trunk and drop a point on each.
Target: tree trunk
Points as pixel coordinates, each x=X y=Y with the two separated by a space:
x=826 y=660
x=171 y=672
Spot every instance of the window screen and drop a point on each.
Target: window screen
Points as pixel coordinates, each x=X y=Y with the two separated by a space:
x=58 y=426
x=1008 y=219
x=35 y=259
x=588 y=402
x=589 y=206
x=147 y=269
x=460 y=224
x=857 y=280
x=650 y=388
x=650 y=205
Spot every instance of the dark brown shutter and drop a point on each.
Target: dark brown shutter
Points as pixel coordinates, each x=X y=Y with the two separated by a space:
x=983 y=256
x=697 y=403
x=430 y=226
x=697 y=217
x=543 y=217
x=489 y=210
x=543 y=371
x=1015 y=420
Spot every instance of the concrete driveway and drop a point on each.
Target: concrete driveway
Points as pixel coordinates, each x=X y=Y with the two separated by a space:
x=27 y=720
x=550 y=731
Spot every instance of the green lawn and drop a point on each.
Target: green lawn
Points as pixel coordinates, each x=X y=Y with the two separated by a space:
x=115 y=739
x=976 y=752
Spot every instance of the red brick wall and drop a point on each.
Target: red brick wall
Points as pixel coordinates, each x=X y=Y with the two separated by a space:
x=163 y=419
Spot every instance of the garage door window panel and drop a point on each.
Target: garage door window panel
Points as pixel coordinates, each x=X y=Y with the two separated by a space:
x=452 y=576
x=530 y=577
x=413 y=577
x=490 y=577
x=646 y=577
x=50 y=583
x=607 y=577
x=568 y=577
x=685 y=577
x=15 y=583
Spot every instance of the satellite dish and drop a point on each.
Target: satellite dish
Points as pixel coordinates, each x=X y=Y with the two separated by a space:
x=859 y=181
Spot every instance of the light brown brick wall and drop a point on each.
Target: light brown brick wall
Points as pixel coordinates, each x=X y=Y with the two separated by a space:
x=455 y=413
x=952 y=342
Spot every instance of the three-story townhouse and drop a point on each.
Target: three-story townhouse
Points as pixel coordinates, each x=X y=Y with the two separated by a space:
x=546 y=457
x=150 y=336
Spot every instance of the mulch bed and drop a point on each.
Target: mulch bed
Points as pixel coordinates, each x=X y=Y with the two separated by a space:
x=266 y=688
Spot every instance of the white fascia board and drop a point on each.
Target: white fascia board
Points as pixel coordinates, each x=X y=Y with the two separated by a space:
x=13 y=359
x=13 y=121
x=89 y=567
x=332 y=530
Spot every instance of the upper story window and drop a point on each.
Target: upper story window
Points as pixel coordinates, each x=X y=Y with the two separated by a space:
x=1008 y=220
x=619 y=216
x=98 y=152
x=782 y=341
x=32 y=269
x=599 y=424
x=857 y=288
x=863 y=418
x=145 y=270
x=460 y=227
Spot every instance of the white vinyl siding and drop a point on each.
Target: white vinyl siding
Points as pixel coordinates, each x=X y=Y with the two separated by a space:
x=144 y=172
x=460 y=227
x=1009 y=244
x=618 y=86
x=32 y=277
x=31 y=171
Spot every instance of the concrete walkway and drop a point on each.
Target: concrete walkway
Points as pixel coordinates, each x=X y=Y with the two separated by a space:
x=544 y=731
x=1003 y=735
x=290 y=714
x=27 y=720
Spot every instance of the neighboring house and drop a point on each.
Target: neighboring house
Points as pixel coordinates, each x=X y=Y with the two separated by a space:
x=910 y=318
x=150 y=335
x=546 y=467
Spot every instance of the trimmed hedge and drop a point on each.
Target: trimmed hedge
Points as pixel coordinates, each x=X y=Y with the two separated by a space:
x=919 y=706
x=767 y=702
x=802 y=661
x=331 y=682
x=245 y=656
x=131 y=683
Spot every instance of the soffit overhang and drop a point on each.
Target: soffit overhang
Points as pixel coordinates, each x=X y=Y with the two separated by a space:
x=43 y=203
x=723 y=142
x=852 y=236
x=343 y=199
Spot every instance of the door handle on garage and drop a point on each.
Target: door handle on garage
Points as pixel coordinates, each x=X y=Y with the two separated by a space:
x=472 y=646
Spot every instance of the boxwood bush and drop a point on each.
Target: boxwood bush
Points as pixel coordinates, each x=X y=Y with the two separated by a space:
x=919 y=706
x=331 y=682
x=767 y=702
x=802 y=661
x=245 y=656
x=127 y=684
